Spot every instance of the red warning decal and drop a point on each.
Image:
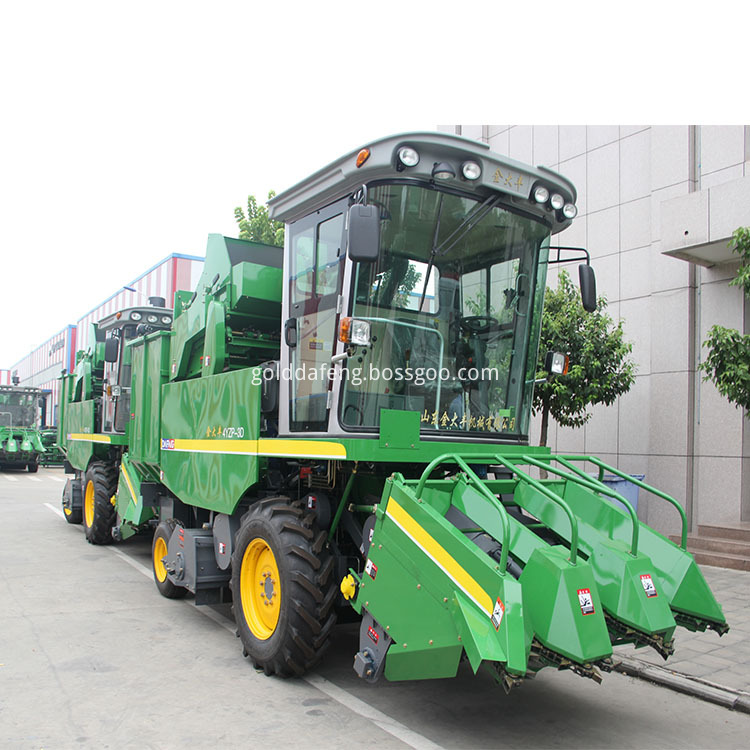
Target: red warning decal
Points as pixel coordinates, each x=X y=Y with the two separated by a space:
x=373 y=634
x=371 y=569
x=586 y=601
x=497 y=613
x=648 y=585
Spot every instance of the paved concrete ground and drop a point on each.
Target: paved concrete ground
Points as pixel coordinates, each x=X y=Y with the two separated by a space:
x=724 y=660
x=92 y=656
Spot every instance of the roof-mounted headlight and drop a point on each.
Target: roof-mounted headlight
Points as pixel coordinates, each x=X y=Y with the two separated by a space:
x=471 y=170
x=443 y=171
x=569 y=211
x=135 y=315
x=408 y=156
x=166 y=320
x=557 y=201
x=541 y=194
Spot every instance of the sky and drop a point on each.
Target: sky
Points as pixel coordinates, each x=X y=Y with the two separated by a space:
x=129 y=131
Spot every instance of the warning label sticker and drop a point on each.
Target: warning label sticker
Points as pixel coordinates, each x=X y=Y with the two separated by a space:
x=586 y=601
x=497 y=614
x=371 y=569
x=648 y=585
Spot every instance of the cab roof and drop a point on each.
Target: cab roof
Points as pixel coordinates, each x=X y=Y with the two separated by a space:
x=499 y=174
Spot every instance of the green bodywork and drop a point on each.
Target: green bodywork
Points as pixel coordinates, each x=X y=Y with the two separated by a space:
x=21 y=442
x=470 y=551
x=53 y=455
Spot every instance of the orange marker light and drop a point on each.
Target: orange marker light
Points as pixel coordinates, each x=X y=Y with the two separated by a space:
x=344 y=329
x=363 y=156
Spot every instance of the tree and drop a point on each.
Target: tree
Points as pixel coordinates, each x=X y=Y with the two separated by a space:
x=728 y=363
x=600 y=367
x=256 y=226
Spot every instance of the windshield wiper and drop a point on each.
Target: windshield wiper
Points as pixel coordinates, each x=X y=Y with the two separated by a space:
x=471 y=220
x=432 y=254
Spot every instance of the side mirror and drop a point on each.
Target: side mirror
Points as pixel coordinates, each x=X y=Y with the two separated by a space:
x=111 y=349
x=588 y=287
x=364 y=233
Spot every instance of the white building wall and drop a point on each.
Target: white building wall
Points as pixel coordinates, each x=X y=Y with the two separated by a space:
x=671 y=426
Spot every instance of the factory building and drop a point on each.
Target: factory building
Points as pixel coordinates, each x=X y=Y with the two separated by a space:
x=42 y=367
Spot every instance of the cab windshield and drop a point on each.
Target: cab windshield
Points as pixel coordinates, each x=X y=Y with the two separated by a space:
x=18 y=409
x=454 y=309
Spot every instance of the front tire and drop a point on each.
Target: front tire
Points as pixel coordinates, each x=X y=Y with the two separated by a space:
x=32 y=467
x=159 y=547
x=99 y=487
x=283 y=587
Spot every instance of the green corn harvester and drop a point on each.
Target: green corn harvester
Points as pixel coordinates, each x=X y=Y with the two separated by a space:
x=20 y=439
x=344 y=424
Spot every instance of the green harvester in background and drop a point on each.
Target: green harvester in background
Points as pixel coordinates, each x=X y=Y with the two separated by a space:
x=21 y=445
x=343 y=424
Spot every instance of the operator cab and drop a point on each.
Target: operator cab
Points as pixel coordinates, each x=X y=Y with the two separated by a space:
x=19 y=407
x=436 y=307
x=116 y=331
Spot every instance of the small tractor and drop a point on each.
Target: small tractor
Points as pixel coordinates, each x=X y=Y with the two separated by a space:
x=342 y=425
x=21 y=444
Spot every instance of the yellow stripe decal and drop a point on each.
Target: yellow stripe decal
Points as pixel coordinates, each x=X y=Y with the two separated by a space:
x=130 y=486
x=87 y=438
x=439 y=556
x=300 y=448
x=261 y=447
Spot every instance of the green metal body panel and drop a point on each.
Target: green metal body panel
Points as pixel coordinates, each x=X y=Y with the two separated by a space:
x=150 y=359
x=616 y=569
x=552 y=587
x=52 y=455
x=20 y=445
x=210 y=428
x=415 y=549
x=436 y=592
x=606 y=534
x=130 y=508
x=78 y=424
x=240 y=284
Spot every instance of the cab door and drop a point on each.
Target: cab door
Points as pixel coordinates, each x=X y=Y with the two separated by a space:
x=316 y=257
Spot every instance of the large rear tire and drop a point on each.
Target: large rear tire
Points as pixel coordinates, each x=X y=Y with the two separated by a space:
x=283 y=587
x=159 y=547
x=100 y=485
x=33 y=467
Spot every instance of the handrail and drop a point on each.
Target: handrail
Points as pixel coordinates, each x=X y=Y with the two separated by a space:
x=591 y=484
x=419 y=328
x=539 y=487
x=638 y=483
x=481 y=487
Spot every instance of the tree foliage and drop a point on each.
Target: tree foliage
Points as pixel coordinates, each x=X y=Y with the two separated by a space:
x=728 y=363
x=256 y=226
x=600 y=365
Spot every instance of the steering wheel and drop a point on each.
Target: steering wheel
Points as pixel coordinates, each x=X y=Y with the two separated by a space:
x=478 y=324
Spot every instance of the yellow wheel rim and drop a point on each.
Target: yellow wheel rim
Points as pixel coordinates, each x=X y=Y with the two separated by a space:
x=260 y=589
x=160 y=552
x=88 y=504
